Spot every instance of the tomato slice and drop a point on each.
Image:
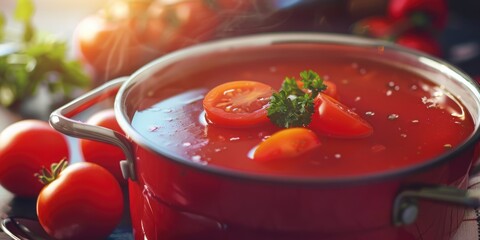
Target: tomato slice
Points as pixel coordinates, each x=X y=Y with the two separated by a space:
x=287 y=143
x=238 y=104
x=334 y=119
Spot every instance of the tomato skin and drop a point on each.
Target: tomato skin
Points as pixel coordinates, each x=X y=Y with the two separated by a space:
x=333 y=119
x=25 y=147
x=104 y=154
x=84 y=202
x=436 y=10
x=420 y=41
x=252 y=102
x=286 y=143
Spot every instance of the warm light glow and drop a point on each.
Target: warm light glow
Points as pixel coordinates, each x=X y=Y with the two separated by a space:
x=74 y=5
x=89 y=29
x=169 y=1
x=119 y=10
x=183 y=13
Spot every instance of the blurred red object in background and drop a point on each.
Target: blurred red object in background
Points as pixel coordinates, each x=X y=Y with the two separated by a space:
x=127 y=34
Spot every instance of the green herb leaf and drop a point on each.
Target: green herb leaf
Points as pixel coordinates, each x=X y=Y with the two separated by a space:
x=40 y=62
x=292 y=107
x=3 y=23
x=312 y=81
x=24 y=11
x=290 y=86
x=34 y=61
x=289 y=110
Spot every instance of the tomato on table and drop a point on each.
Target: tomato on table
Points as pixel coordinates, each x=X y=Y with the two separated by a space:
x=25 y=147
x=286 y=143
x=238 y=104
x=84 y=201
x=334 y=119
x=104 y=154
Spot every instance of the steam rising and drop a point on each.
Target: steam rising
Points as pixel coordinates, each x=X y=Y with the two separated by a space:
x=162 y=26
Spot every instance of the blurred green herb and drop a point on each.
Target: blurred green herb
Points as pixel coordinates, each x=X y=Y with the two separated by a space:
x=3 y=22
x=34 y=61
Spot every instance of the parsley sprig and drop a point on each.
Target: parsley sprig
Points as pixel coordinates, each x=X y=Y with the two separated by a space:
x=293 y=106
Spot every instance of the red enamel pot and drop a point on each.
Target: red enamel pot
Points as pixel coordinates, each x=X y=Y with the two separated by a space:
x=172 y=198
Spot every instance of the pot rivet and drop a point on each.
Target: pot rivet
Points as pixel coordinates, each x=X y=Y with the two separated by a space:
x=409 y=214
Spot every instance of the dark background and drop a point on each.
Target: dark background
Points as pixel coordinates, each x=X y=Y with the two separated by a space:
x=461 y=38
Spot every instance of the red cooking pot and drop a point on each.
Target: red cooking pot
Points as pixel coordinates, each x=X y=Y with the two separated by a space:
x=175 y=198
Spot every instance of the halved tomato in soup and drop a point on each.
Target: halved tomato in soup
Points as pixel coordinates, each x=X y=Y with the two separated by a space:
x=286 y=143
x=334 y=119
x=238 y=104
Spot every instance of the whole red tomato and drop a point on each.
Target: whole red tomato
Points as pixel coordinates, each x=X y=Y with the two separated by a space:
x=421 y=41
x=25 y=147
x=103 y=154
x=84 y=202
x=111 y=47
x=126 y=34
x=435 y=10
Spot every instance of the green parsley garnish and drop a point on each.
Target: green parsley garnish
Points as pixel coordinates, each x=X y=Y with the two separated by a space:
x=293 y=106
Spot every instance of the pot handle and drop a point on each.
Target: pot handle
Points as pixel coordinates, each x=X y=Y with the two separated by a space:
x=405 y=207
x=61 y=120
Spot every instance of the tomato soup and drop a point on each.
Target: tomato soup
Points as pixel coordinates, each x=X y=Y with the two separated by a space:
x=413 y=119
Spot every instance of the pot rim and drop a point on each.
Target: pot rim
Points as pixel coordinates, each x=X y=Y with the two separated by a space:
x=281 y=38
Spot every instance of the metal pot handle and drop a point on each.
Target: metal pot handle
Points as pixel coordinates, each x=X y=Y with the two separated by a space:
x=60 y=120
x=405 y=207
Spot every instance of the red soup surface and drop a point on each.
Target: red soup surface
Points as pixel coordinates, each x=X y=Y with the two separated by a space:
x=413 y=119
